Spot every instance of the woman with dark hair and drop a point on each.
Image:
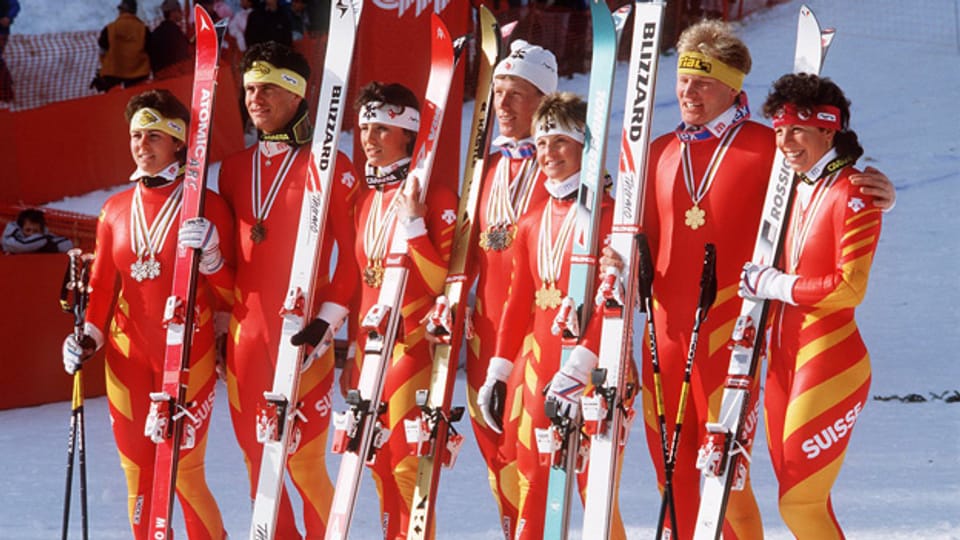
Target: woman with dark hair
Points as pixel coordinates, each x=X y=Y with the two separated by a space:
x=136 y=249
x=819 y=371
x=389 y=121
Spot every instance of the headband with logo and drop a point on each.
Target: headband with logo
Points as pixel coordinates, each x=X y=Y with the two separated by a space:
x=150 y=118
x=694 y=63
x=378 y=112
x=550 y=126
x=262 y=71
x=821 y=116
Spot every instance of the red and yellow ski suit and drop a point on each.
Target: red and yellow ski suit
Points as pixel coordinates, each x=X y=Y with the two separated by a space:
x=395 y=470
x=135 y=344
x=492 y=271
x=524 y=336
x=819 y=371
x=263 y=273
x=732 y=207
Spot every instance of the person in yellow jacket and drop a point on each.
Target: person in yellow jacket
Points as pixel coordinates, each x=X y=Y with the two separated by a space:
x=123 y=50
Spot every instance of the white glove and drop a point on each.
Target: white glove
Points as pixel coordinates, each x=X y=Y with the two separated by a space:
x=320 y=332
x=568 y=384
x=469 y=330
x=764 y=282
x=610 y=288
x=493 y=394
x=75 y=354
x=566 y=323
x=439 y=321
x=200 y=233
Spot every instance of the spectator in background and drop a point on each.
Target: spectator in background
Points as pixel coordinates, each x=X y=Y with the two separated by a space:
x=28 y=234
x=238 y=24
x=269 y=21
x=169 y=48
x=123 y=50
x=8 y=11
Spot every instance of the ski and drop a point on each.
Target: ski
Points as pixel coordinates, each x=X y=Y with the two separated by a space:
x=277 y=425
x=357 y=432
x=432 y=437
x=559 y=445
x=727 y=441
x=168 y=408
x=606 y=416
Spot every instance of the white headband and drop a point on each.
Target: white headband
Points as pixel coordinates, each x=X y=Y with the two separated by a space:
x=549 y=126
x=377 y=112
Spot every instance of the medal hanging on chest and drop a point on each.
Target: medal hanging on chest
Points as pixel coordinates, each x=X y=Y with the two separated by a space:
x=146 y=239
x=509 y=198
x=696 y=217
x=376 y=231
x=261 y=206
x=550 y=256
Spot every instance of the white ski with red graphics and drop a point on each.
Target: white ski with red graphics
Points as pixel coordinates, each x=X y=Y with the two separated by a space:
x=357 y=431
x=729 y=441
x=606 y=413
x=277 y=427
x=559 y=445
x=432 y=437
x=168 y=409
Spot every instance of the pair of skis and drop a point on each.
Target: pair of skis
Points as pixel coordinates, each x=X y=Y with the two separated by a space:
x=279 y=421
x=358 y=430
x=165 y=424
x=432 y=437
x=728 y=442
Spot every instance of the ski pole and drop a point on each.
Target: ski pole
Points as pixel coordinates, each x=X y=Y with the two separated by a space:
x=708 y=293
x=76 y=280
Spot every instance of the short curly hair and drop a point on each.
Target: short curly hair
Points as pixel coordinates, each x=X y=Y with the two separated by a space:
x=806 y=91
x=277 y=54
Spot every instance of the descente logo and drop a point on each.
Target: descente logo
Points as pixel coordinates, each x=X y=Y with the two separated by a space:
x=401 y=6
x=831 y=434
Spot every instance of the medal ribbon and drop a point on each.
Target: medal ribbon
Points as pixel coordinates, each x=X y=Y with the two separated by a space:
x=261 y=208
x=550 y=254
x=147 y=239
x=509 y=199
x=824 y=173
x=698 y=192
x=379 y=222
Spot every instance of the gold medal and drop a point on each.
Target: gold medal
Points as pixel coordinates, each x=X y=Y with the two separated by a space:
x=497 y=238
x=548 y=297
x=696 y=217
x=258 y=232
x=373 y=274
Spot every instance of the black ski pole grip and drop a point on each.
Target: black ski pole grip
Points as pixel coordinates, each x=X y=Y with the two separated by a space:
x=644 y=266
x=708 y=279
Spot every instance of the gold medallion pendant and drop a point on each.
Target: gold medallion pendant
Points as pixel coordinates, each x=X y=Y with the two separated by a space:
x=497 y=238
x=548 y=297
x=373 y=274
x=258 y=232
x=696 y=217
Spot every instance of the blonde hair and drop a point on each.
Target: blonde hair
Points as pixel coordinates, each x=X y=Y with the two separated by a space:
x=565 y=108
x=716 y=39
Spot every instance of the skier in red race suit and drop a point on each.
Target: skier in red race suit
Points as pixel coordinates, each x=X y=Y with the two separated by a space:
x=136 y=249
x=264 y=185
x=528 y=348
x=818 y=375
x=389 y=120
x=513 y=184
x=706 y=183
